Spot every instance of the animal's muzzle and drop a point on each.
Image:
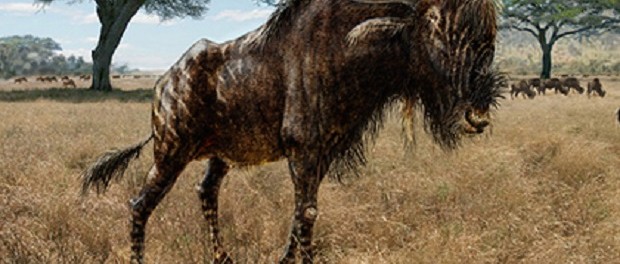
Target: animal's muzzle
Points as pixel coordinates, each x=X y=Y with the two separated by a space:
x=475 y=121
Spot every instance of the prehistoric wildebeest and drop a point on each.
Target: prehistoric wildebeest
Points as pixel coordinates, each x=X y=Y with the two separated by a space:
x=522 y=87
x=596 y=87
x=20 y=80
x=572 y=83
x=535 y=83
x=68 y=83
x=307 y=86
x=555 y=84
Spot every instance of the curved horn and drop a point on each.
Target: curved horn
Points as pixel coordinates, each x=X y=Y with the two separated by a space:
x=409 y=3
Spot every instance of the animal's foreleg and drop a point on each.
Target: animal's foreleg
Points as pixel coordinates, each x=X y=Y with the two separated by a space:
x=208 y=193
x=159 y=181
x=307 y=177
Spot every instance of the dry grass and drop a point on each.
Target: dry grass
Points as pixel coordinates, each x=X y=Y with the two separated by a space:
x=543 y=188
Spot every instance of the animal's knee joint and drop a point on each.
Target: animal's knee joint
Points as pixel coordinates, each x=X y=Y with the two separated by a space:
x=310 y=213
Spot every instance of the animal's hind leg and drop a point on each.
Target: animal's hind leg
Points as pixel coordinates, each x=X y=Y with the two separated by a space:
x=208 y=193
x=160 y=179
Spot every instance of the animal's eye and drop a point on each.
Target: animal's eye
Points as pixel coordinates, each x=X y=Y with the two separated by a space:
x=433 y=16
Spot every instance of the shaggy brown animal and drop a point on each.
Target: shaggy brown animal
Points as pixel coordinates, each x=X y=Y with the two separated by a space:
x=20 y=80
x=50 y=79
x=68 y=83
x=556 y=85
x=522 y=87
x=572 y=83
x=595 y=87
x=307 y=86
x=536 y=84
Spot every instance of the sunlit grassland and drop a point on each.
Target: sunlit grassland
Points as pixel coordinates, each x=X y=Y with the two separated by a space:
x=543 y=186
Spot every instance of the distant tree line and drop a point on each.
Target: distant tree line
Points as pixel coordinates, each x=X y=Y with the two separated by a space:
x=29 y=55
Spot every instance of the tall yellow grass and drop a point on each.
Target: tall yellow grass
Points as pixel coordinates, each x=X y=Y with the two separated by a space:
x=543 y=187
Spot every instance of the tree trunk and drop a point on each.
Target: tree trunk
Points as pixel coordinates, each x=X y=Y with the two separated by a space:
x=114 y=20
x=546 y=61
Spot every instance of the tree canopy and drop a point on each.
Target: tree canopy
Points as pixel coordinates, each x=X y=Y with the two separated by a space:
x=550 y=20
x=114 y=17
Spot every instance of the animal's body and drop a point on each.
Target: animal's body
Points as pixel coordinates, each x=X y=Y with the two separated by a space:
x=20 y=80
x=572 y=83
x=536 y=84
x=522 y=87
x=555 y=84
x=306 y=87
x=596 y=87
x=68 y=83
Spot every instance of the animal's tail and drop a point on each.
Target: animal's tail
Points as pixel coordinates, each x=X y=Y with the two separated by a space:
x=110 y=165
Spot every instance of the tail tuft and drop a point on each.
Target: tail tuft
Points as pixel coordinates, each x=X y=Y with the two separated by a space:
x=110 y=165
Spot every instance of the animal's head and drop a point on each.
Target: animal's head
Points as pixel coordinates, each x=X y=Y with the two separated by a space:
x=452 y=51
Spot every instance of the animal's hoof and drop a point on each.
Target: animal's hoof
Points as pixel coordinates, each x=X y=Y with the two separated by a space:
x=222 y=258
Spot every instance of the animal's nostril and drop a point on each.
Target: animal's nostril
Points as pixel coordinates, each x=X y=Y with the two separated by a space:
x=477 y=120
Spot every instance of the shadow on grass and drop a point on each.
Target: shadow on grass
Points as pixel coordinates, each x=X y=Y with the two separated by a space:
x=76 y=95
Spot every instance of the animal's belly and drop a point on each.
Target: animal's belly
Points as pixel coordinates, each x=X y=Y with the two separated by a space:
x=245 y=139
x=249 y=149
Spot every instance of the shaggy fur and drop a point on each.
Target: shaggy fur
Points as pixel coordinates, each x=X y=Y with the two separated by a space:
x=311 y=86
x=111 y=165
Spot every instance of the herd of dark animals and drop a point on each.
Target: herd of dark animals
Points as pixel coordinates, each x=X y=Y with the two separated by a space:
x=67 y=81
x=311 y=86
x=83 y=77
x=530 y=88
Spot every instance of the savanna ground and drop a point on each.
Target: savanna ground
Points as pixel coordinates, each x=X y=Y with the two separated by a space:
x=543 y=187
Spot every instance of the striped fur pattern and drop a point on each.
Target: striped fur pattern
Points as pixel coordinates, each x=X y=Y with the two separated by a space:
x=311 y=86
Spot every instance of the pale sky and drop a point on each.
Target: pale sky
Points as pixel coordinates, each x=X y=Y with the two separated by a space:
x=148 y=44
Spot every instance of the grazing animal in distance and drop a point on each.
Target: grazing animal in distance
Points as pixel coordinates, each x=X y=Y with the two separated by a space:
x=20 y=80
x=522 y=87
x=273 y=94
x=537 y=84
x=556 y=85
x=68 y=83
x=572 y=83
x=596 y=87
x=85 y=77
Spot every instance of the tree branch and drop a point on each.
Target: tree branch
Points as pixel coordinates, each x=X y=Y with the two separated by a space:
x=524 y=29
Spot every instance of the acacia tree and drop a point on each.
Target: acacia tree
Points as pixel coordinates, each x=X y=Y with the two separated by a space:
x=550 y=20
x=115 y=15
